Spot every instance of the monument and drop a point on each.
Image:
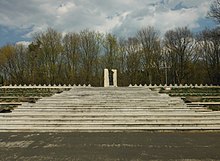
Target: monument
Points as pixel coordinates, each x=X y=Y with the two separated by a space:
x=110 y=78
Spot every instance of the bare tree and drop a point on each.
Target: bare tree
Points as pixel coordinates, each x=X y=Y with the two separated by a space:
x=134 y=54
x=111 y=49
x=6 y=63
x=123 y=78
x=14 y=63
x=90 y=43
x=180 y=45
x=33 y=62
x=71 y=53
x=49 y=55
x=210 y=53
x=215 y=10
x=150 y=42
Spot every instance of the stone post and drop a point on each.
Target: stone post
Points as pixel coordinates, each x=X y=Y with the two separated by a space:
x=106 y=78
x=114 y=77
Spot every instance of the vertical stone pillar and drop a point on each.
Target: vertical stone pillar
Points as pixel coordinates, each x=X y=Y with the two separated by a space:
x=106 y=78
x=114 y=77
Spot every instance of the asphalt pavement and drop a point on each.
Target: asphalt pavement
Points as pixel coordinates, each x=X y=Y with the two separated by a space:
x=140 y=146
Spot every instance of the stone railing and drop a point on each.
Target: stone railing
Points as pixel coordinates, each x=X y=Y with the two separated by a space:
x=45 y=86
x=175 y=86
x=135 y=85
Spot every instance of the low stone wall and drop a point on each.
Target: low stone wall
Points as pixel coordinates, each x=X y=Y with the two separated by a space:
x=45 y=86
x=135 y=85
x=175 y=86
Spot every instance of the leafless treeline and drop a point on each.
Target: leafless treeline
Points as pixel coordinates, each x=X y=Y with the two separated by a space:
x=147 y=58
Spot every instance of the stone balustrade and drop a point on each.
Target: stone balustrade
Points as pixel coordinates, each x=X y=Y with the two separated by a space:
x=45 y=86
x=175 y=86
x=135 y=85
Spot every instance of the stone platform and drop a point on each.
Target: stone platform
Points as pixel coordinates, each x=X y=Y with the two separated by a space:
x=88 y=109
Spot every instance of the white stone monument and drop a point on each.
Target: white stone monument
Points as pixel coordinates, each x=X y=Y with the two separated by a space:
x=106 y=78
x=114 y=77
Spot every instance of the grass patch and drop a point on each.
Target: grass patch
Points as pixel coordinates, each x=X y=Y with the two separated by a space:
x=194 y=92
x=24 y=95
x=214 y=107
x=28 y=92
x=7 y=108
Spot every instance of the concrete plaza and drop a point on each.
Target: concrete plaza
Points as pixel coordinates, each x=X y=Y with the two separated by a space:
x=109 y=146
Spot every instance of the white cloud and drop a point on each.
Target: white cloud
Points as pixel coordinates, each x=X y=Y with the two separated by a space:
x=65 y=8
x=164 y=16
x=24 y=43
x=123 y=17
x=35 y=29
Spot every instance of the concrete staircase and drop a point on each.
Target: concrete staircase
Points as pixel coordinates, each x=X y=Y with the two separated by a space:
x=108 y=110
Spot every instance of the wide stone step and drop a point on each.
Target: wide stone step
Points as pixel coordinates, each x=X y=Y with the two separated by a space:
x=99 y=105
x=106 y=129
x=113 y=98
x=121 y=119
x=113 y=123
x=139 y=125
x=107 y=102
x=34 y=106
x=108 y=110
x=110 y=103
x=156 y=110
x=106 y=113
x=45 y=108
x=113 y=115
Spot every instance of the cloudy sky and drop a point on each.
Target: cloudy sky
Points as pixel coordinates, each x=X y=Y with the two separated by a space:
x=19 y=19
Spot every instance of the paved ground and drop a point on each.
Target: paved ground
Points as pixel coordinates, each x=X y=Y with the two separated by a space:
x=109 y=146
